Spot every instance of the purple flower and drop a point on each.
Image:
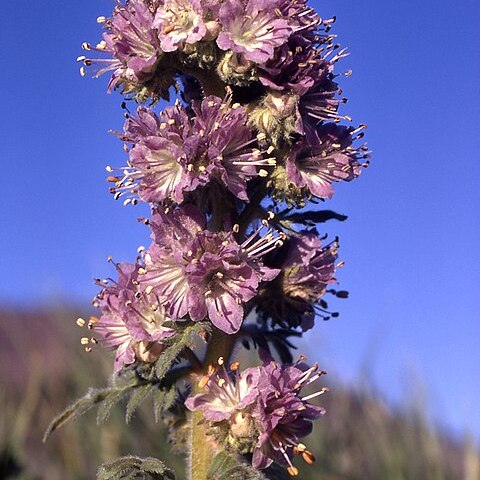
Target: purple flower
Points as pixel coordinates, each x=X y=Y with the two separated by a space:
x=307 y=268
x=293 y=68
x=128 y=323
x=318 y=103
x=163 y=277
x=145 y=124
x=211 y=8
x=158 y=165
x=224 y=147
x=261 y=410
x=131 y=42
x=303 y=19
x=253 y=28
x=179 y=22
x=333 y=159
x=202 y=273
x=284 y=415
x=176 y=153
x=302 y=73
x=227 y=395
x=221 y=281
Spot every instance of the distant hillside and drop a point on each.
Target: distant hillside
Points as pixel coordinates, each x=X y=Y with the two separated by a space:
x=43 y=368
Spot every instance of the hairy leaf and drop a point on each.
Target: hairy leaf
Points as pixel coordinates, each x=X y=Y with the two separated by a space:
x=104 y=398
x=319 y=216
x=106 y=406
x=137 y=396
x=132 y=468
x=163 y=399
x=226 y=466
x=137 y=382
x=183 y=338
x=78 y=408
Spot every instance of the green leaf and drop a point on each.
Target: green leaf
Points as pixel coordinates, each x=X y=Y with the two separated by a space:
x=163 y=399
x=132 y=468
x=136 y=398
x=78 y=408
x=182 y=339
x=106 y=398
x=307 y=218
x=105 y=407
x=138 y=381
x=226 y=466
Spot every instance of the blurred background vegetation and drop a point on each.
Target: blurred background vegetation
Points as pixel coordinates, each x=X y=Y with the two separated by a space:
x=43 y=368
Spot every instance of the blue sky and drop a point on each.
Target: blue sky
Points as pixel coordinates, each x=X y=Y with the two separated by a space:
x=411 y=241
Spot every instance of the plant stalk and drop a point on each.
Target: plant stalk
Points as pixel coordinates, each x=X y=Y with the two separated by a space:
x=203 y=447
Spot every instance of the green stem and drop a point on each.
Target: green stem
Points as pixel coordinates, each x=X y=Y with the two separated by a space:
x=211 y=83
x=209 y=79
x=203 y=447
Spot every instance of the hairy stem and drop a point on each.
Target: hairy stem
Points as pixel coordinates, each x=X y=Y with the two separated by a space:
x=211 y=83
x=209 y=79
x=202 y=447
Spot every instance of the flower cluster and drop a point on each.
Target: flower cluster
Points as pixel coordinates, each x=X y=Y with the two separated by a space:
x=255 y=132
x=280 y=49
x=191 y=270
x=261 y=410
x=178 y=153
x=307 y=269
x=132 y=45
x=129 y=323
x=141 y=32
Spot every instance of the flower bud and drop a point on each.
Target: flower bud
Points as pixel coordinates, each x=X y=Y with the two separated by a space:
x=234 y=69
x=147 y=351
x=213 y=29
x=294 y=298
x=285 y=191
x=277 y=116
x=242 y=426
